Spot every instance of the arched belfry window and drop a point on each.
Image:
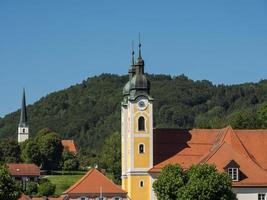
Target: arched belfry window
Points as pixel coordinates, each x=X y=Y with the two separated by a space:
x=141 y=123
x=141 y=149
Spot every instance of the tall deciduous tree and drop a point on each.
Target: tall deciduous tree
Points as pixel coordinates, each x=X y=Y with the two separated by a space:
x=201 y=182
x=45 y=150
x=9 y=151
x=110 y=156
x=8 y=188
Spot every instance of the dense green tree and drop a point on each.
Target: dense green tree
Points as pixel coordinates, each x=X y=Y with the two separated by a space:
x=201 y=182
x=9 y=151
x=46 y=189
x=30 y=152
x=204 y=182
x=32 y=189
x=262 y=115
x=44 y=150
x=244 y=119
x=8 y=188
x=70 y=161
x=50 y=148
x=168 y=183
x=71 y=164
x=110 y=156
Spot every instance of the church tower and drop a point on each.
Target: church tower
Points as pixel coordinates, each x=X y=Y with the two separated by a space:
x=23 y=129
x=137 y=132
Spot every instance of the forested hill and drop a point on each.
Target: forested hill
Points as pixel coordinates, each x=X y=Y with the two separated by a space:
x=90 y=111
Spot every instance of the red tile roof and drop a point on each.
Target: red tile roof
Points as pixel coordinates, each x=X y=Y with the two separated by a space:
x=92 y=183
x=23 y=169
x=215 y=146
x=24 y=197
x=49 y=198
x=69 y=145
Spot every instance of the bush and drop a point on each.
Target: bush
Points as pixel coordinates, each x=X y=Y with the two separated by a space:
x=32 y=188
x=46 y=189
x=71 y=164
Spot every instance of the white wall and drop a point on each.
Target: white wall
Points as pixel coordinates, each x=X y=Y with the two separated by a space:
x=249 y=193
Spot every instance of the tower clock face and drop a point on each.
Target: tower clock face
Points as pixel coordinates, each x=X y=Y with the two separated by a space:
x=142 y=104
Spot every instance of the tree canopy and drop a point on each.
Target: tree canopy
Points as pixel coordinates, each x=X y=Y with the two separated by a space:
x=202 y=182
x=8 y=188
x=44 y=150
x=9 y=151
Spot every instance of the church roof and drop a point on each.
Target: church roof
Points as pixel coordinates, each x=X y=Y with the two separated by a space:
x=94 y=182
x=214 y=146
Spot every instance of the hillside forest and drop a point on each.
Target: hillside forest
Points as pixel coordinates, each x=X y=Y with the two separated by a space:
x=89 y=112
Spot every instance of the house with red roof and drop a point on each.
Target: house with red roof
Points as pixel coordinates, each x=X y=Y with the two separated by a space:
x=25 y=197
x=94 y=186
x=24 y=172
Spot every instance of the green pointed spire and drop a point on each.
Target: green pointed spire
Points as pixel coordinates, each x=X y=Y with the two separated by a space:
x=23 y=111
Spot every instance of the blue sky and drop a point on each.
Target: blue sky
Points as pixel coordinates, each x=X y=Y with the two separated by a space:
x=49 y=45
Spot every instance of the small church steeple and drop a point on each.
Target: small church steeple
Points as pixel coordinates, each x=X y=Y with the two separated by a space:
x=23 y=111
x=23 y=129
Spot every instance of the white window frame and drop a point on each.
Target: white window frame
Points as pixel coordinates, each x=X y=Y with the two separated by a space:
x=144 y=149
x=261 y=196
x=98 y=198
x=86 y=198
x=233 y=173
x=114 y=198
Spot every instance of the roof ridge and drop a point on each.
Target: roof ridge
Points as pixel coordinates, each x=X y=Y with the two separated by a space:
x=86 y=176
x=118 y=187
x=79 y=182
x=207 y=156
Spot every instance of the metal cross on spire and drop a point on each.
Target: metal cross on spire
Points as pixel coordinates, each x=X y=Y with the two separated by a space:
x=140 y=56
x=133 y=53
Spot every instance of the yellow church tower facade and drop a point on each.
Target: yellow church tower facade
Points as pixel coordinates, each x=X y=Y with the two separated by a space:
x=137 y=133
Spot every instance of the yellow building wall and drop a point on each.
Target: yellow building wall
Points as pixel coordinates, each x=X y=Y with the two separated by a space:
x=129 y=152
x=135 y=192
x=141 y=160
x=124 y=183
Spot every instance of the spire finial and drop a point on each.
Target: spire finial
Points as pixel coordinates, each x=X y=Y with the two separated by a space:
x=133 y=53
x=139 y=46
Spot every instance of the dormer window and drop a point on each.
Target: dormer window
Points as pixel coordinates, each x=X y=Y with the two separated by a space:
x=232 y=169
x=233 y=173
